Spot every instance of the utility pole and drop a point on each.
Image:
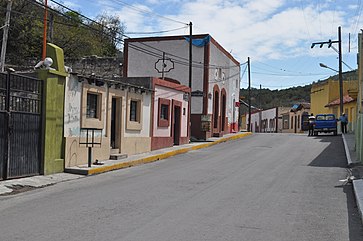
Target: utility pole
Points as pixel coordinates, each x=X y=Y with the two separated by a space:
x=5 y=36
x=329 y=43
x=340 y=70
x=190 y=77
x=249 y=95
x=260 y=112
x=44 y=54
x=190 y=53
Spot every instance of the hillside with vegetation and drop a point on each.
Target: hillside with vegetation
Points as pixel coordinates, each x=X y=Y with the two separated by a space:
x=78 y=35
x=266 y=98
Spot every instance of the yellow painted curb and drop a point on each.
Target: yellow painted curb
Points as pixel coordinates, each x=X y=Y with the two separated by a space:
x=158 y=157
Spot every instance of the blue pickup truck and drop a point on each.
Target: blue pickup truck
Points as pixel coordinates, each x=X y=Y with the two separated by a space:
x=325 y=123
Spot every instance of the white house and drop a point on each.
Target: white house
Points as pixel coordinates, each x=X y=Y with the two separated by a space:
x=215 y=77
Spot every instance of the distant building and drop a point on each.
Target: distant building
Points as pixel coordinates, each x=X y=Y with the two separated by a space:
x=325 y=99
x=269 y=120
x=296 y=119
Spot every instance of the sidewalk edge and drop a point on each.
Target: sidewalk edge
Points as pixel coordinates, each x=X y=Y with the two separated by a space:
x=358 y=192
x=152 y=158
x=347 y=152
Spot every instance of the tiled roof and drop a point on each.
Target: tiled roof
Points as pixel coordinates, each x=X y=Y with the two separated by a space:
x=346 y=99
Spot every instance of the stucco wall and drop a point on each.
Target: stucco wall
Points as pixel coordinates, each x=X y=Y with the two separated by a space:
x=75 y=152
x=128 y=141
x=230 y=82
x=141 y=64
x=146 y=123
x=72 y=107
x=269 y=114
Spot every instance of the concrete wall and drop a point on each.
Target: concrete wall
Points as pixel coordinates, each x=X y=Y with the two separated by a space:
x=53 y=102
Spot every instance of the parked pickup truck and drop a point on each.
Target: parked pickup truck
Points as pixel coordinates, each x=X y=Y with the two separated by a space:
x=325 y=123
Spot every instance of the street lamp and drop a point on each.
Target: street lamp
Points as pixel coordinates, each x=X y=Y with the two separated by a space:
x=329 y=43
x=327 y=67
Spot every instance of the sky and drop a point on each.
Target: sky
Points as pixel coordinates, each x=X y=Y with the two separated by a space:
x=275 y=34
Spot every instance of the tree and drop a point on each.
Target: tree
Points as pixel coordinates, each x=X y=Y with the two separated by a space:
x=77 y=35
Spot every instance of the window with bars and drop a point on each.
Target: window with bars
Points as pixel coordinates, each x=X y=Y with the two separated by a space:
x=92 y=105
x=164 y=112
x=134 y=111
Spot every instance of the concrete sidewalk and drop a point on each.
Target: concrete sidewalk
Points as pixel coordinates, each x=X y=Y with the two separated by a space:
x=151 y=156
x=356 y=170
x=14 y=186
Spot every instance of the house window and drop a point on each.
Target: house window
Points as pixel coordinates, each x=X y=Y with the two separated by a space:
x=164 y=113
x=292 y=122
x=134 y=111
x=92 y=105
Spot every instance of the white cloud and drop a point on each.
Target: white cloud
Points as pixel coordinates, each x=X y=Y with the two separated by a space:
x=265 y=29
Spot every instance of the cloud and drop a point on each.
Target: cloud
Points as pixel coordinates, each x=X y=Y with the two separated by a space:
x=265 y=29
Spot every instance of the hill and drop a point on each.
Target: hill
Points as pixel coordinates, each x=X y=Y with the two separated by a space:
x=266 y=98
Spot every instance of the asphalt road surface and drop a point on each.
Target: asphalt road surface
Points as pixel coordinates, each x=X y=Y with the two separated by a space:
x=270 y=187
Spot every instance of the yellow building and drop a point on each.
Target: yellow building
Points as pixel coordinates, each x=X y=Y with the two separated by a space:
x=324 y=96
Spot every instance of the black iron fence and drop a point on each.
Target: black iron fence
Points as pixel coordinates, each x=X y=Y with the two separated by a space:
x=20 y=125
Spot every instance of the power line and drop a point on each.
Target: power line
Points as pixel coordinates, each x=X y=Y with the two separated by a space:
x=177 y=59
x=283 y=70
x=289 y=74
x=164 y=31
x=122 y=34
x=147 y=12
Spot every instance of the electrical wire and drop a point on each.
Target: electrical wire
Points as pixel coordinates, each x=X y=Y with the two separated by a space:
x=165 y=31
x=283 y=70
x=178 y=59
x=146 y=12
x=291 y=75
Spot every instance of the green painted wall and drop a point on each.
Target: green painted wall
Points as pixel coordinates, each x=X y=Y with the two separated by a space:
x=53 y=103
x=359 y=127
x=358 y=138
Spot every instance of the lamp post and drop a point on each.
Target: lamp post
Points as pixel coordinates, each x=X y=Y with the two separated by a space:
x=329 y=43
x=327 y=67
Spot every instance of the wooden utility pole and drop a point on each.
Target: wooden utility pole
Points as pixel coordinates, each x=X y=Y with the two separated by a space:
x=44 y=54
x=341 y=103
x=5 y=36
x=260 y=111
x=190 y=53
x=190 y=78
x=249 y=95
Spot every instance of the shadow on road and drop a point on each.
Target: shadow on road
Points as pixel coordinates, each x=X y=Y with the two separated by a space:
x=354 y=221
x=333 y=155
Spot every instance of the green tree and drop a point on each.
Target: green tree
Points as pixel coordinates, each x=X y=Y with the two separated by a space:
x=78 y=36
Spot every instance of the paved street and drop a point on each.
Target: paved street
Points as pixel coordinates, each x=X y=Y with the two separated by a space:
x=275 y=187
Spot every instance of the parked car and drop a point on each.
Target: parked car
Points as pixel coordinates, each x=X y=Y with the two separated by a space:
x=325 y=123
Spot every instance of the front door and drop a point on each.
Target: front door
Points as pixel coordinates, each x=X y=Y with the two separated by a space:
x=115 y=123
x=177 y=125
